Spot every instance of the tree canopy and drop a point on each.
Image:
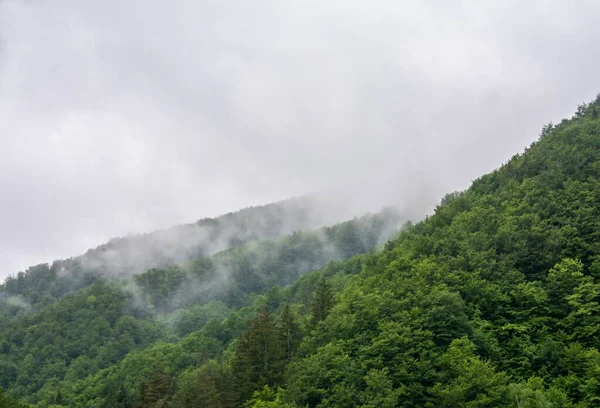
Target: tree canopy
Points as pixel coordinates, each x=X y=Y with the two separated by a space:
x=491 y=301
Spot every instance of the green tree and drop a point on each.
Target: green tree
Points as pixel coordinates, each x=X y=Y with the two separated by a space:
x=155 y=392
x=469 y=381
x=7 y=402
x=289 y=332
x=259 y=356
x=584 y=318
x=322 y=301
x=159 y=286
x=380 y=391
x=266 y=398
x=562 y=279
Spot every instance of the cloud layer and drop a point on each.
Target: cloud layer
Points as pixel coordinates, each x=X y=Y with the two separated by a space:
x=126 y=116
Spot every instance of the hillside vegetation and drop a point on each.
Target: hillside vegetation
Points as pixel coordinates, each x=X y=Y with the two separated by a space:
x=46 y=346
x=492 y=301
x=43 y=284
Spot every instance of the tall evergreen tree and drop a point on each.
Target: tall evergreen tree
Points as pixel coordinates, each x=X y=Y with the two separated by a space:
x=155 y=392
x=259 y=356
x=289 y=332
x=322 y=301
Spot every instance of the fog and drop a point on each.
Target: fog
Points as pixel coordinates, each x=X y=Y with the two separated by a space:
x=121 y=117
x=135 y=253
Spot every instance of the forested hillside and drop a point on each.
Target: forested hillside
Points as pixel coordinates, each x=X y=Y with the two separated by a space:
x=492 y=301
x=44 y=349
x=43 y=284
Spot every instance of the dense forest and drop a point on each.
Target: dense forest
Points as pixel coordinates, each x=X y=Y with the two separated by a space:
x=57 y=327
x=136 y=253
x=491 y=301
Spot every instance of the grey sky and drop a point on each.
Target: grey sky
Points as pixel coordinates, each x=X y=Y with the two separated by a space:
x=126 y=116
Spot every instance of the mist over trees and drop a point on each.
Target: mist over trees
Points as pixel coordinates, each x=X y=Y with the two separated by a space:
x=89 y=321
x=122 y=257
x=491 y=301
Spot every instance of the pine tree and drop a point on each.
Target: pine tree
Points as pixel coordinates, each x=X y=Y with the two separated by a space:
x=259 y=356
x=209 y=393
x=141 y=397
x=289 y=332
x=154 y=393
x=159 y=387
x=322 y=301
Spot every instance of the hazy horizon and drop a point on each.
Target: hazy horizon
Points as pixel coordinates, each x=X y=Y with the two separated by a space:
x=128 y=117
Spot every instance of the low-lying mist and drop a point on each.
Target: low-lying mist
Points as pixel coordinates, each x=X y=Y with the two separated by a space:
x=239 y=252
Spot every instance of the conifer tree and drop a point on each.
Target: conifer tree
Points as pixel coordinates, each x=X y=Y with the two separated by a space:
x=289 y=332
x=155 y=392
x=322 y=301
x=259 y=356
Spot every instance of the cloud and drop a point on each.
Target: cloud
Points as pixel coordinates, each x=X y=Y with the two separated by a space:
x=126 y=116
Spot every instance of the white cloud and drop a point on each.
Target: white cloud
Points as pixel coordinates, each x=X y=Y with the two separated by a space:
x=120 y=116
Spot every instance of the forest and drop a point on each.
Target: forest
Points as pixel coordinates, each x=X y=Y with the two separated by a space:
x=493 y=300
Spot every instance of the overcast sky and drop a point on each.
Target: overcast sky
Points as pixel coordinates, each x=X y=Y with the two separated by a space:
x=126 y=116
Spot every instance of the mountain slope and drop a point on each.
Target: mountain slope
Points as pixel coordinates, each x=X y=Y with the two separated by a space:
x=42 y=284
x=94 y=328
x=493 y=301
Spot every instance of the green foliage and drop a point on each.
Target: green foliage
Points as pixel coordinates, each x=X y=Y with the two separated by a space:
x=210 y=386
x=492 y=301
x=259 y=356
x=158 y=285
x=72 y=338
x=289 y=332
x=266 y=398
x=7 y=402
x=468 y=381
x=86 y=342
x=322 y=301
x=195 y=317
x=154 y=392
